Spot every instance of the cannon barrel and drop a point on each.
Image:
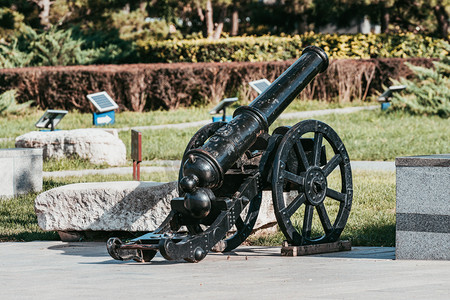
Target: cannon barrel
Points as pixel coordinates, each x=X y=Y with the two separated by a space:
x=205 y=167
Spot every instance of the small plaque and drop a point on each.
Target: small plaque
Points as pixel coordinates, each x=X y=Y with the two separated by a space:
x=136 y=145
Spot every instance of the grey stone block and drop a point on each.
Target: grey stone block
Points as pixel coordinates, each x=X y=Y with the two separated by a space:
x=423 y=207
x=21 y=171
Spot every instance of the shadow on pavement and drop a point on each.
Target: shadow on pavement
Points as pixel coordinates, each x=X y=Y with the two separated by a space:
x=97 y=249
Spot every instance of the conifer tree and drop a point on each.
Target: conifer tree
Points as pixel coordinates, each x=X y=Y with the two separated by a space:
x=429 y=92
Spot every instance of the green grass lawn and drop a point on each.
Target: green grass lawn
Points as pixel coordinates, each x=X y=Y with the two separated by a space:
x=368 y=135
x=371 y=222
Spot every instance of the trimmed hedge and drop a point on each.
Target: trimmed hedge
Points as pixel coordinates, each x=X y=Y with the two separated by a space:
x=272 y=48
x=140 y=87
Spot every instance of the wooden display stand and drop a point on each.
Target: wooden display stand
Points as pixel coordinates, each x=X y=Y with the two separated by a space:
x=288 y=250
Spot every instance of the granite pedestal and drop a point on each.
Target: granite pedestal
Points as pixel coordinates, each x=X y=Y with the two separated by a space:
x=20 y=171
x=423 y=207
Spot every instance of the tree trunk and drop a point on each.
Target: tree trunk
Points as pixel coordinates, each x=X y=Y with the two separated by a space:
x=126 y=9
x=142 y=6
x=442 y=20
x=385 y=18
x=302 y=24
x=219 y=25
x=44 y=12
x=209 y=20
x=234 y=22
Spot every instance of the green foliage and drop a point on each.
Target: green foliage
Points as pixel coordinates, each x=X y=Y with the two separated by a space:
x=50 y=48
x=10 y=22
x=11 y=56
x=59 y=47
x=428 y=93
x=267 y=48
x=136 y=24
x=8 y=104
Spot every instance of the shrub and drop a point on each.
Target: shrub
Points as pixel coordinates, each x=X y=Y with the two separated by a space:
x=428 y=93
x=8 y=104
x=139 y=87
x=58 y=47
x=271 y=48
x=11 y=22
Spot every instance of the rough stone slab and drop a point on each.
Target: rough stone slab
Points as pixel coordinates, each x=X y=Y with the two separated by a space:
x=422 y=245
x=105 y=206
x=21 y=171
x=423 y=207
x=288 y=250
x=97 y=145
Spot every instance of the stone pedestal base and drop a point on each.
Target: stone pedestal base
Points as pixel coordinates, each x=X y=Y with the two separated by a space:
x=21 y=171
x=423 y=207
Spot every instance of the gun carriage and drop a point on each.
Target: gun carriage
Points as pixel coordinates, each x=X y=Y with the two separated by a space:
x=227 y=166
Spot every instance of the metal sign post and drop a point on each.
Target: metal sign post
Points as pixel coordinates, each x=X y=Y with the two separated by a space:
x=136 y=153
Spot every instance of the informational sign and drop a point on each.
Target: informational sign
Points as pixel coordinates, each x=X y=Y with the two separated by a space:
x=105 y=118
x=221 y=108
x=105 y=106
x=385 y=98
x=260 y=85
x=102 y=102
x=51 y=118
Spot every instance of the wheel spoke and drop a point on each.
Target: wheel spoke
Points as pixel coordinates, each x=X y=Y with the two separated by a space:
x=336 y=195
x=239 y=223
x=332 y=164
x=294 y=205
x=307 y=221
x=302 y=155
x=289 y=176
x=318 y=137
x=324 y=219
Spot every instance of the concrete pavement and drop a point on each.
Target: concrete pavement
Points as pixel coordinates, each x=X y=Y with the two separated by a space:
x=56 y=270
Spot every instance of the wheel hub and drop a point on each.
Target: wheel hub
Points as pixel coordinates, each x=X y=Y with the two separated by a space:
x=315 y=186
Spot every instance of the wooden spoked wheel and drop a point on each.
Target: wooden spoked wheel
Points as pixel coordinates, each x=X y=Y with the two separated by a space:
x=312 y=195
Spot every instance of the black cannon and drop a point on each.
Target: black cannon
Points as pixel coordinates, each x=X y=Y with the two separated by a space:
x=226 y=167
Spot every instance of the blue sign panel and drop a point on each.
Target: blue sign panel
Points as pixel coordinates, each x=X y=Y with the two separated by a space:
x=104 y=118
